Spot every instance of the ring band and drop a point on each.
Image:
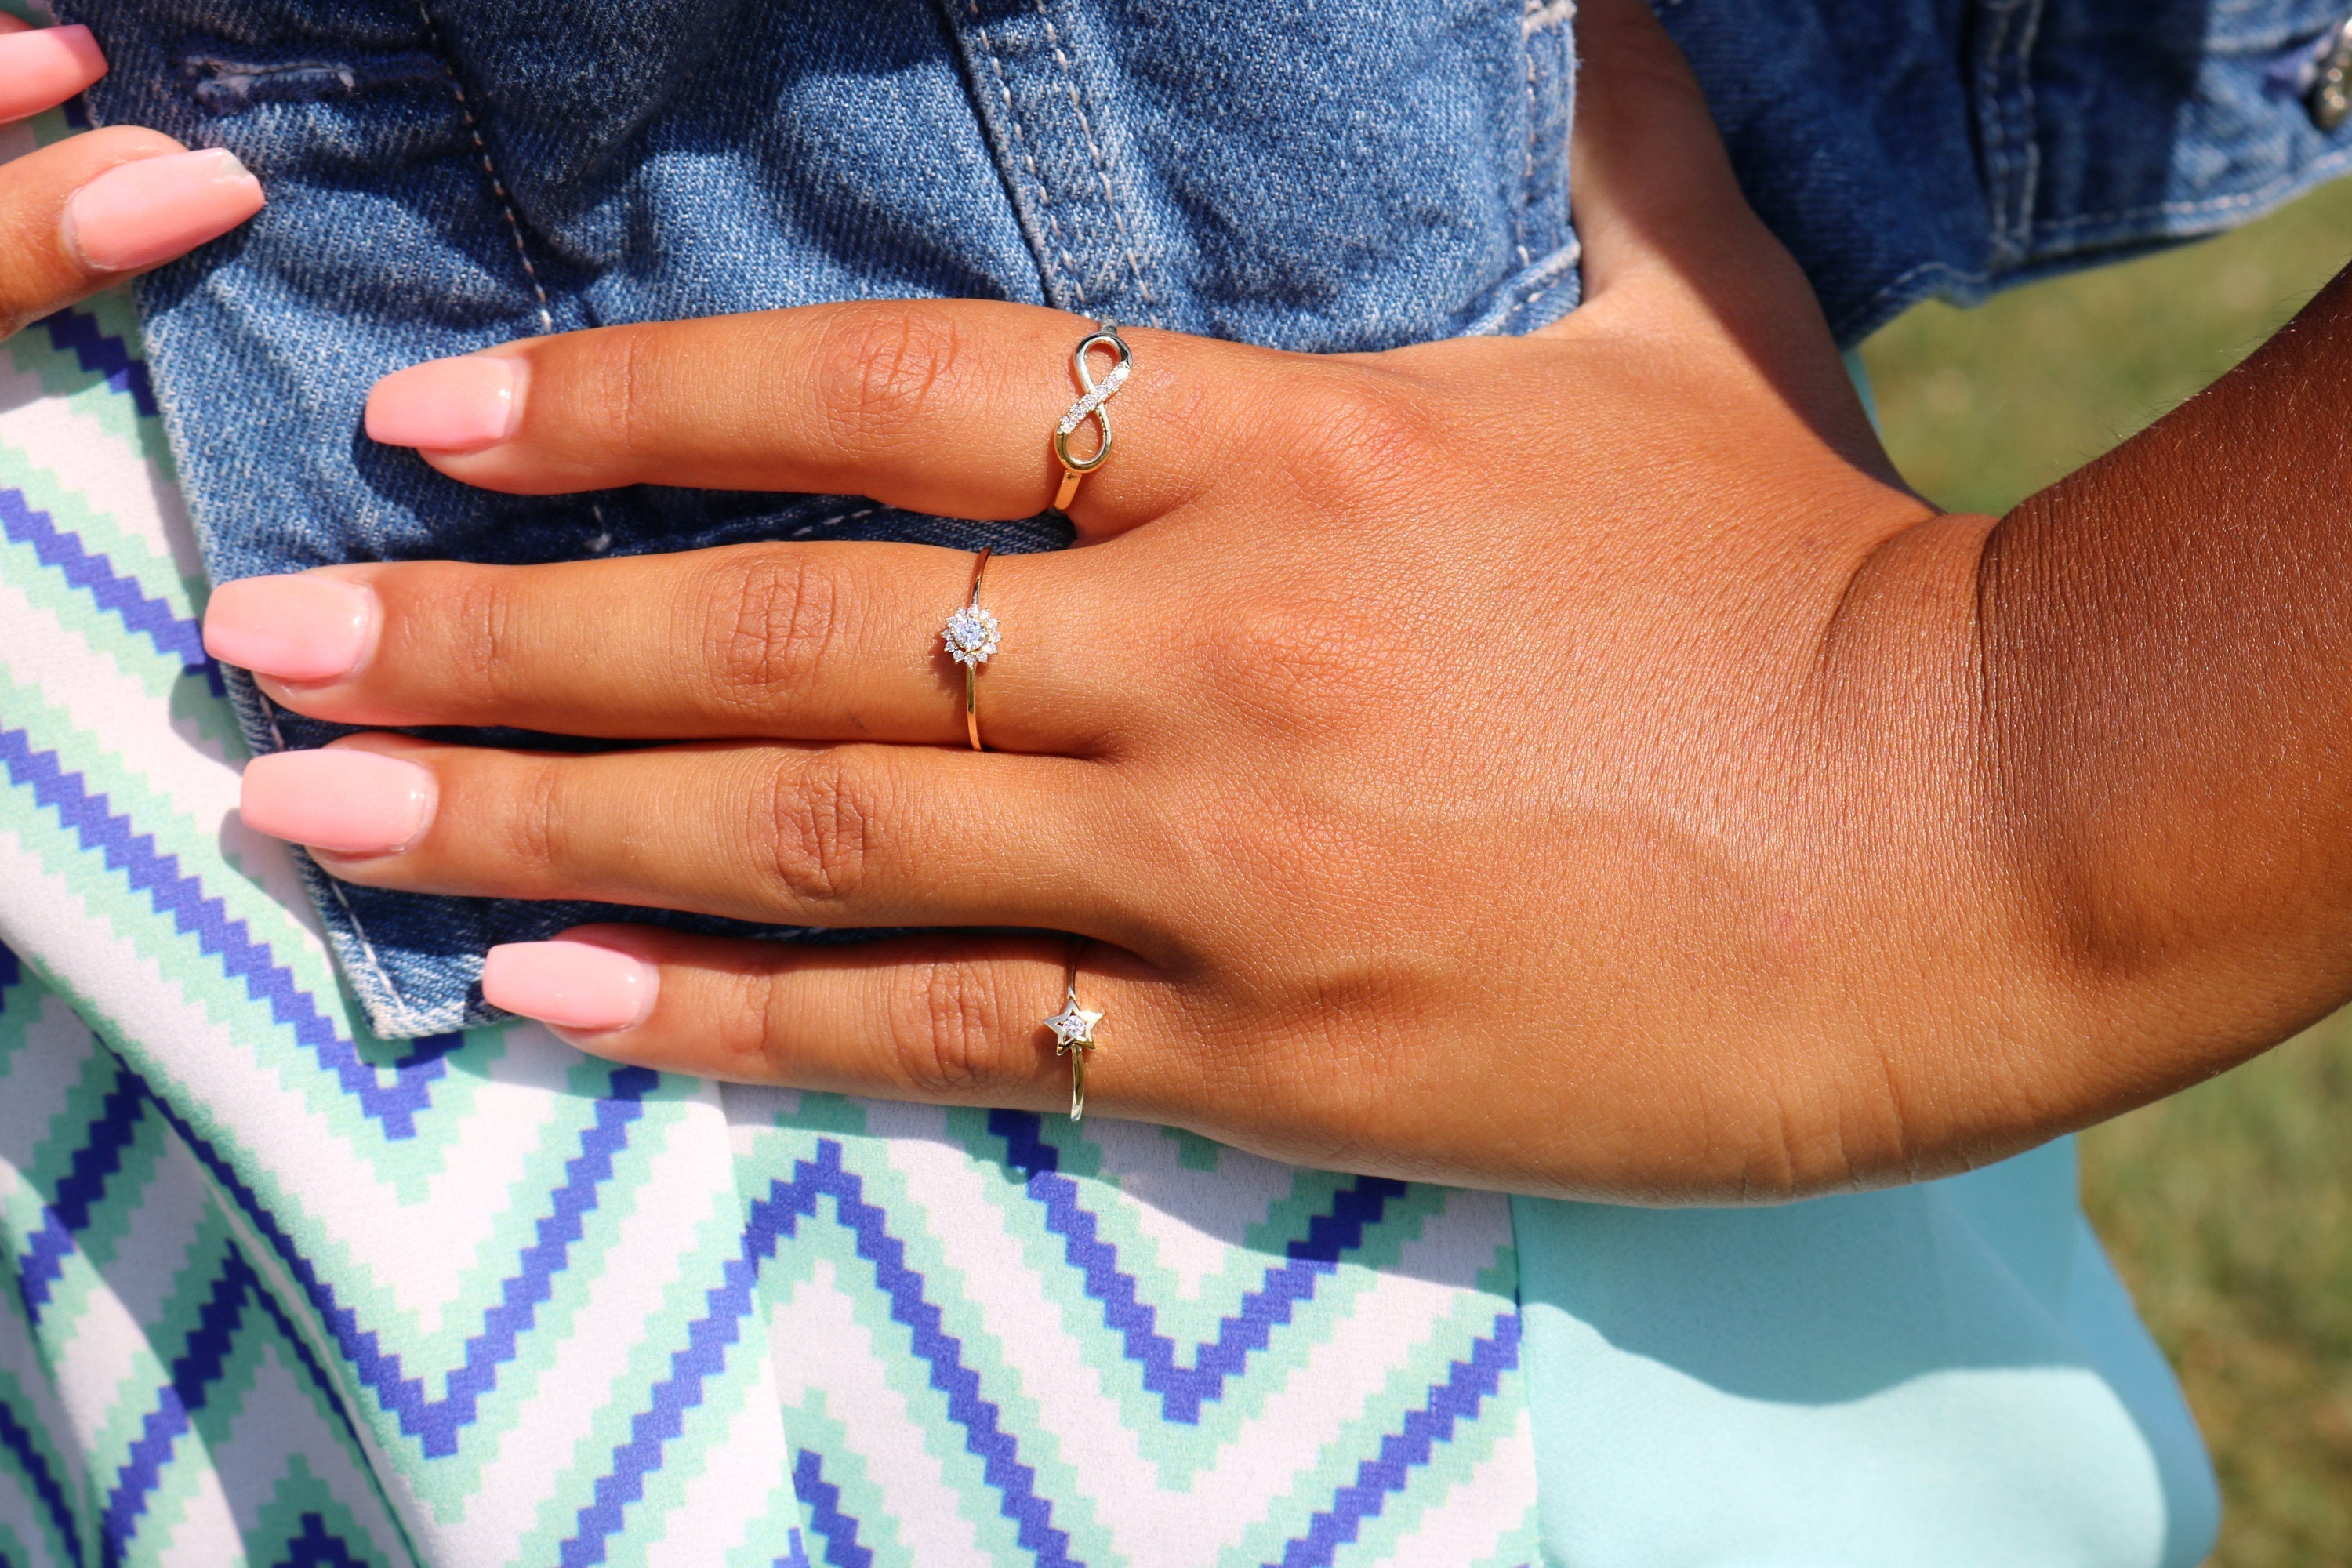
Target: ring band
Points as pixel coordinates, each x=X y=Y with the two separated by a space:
x=1073 y=1033
x=1093 y=395
x=971 y=636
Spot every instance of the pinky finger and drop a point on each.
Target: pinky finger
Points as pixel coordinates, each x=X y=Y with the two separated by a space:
x=948 y=1018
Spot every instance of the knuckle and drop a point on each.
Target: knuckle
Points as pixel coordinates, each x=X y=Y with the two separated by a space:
x=771 y=620
x=1363 y=441
x=481 y=622
x=876 y=370
x=614 y=390
x=818 y=820
x=532 y=839
x=949 y=1032
x=1303 y=660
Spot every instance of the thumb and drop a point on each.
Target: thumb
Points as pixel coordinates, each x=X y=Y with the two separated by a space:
x=1651 y=185
x=1670 y=242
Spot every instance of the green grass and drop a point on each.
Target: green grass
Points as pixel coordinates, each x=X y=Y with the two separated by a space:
x=2228 y=1208
x=1983 y=407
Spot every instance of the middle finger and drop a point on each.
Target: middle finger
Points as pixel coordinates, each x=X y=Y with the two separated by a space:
x=822 y=641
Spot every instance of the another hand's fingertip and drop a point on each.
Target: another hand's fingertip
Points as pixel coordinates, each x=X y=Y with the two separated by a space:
x=145 y=212
x=450 y=405
x=584 y=988
x=75 y=39
x=40 y=68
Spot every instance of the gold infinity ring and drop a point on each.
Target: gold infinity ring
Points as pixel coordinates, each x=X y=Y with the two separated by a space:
x=1093 y=395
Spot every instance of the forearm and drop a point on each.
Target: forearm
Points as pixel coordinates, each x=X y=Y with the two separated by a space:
x=2166 y=682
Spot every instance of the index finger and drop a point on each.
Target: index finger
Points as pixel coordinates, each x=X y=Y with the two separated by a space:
x=946 y=406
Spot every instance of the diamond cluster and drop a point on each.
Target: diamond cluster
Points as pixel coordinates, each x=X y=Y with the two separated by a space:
x=1096 y=396
x=970 y=635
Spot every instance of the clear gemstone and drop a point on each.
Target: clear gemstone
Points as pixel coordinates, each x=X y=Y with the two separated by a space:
x=970 y=635
x=1095 y=398
x=1073 y=1026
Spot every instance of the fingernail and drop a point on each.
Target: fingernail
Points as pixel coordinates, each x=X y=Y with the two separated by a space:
x=448 y=404
x=138 y=214
x=571 y=984
x=43 y=68
x=341 y=801
x=300 y=627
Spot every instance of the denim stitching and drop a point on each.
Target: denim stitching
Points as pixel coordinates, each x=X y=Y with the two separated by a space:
x=2285 y=185
x=2012 y=199
x=1526 y=174
x=506 y=202
x=226 y=87
x=408 y=1018
x=1102 y=164
x=1036 y=174
x=2030 y=189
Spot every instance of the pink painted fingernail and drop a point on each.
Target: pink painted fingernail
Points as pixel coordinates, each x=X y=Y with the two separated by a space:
x=300 y=627
x=41 y=69
x=571 y=984
x=449 y=405
x=138 y=214
x=343 y=801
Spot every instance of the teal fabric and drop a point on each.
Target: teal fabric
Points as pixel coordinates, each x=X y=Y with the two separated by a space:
x=1942 y=1373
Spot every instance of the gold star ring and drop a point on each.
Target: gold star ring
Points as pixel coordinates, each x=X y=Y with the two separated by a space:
x=1074 y=1035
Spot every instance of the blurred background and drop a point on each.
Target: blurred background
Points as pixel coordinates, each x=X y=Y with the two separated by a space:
x=2228 y=1208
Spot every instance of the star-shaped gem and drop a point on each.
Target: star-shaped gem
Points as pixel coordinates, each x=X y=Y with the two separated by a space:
x=1074 y=1028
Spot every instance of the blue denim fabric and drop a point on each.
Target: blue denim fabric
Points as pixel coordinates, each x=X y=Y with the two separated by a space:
x=1342 y=176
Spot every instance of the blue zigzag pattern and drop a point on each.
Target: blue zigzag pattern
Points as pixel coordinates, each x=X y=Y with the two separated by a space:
x=1467 y=1385
x=779 y=1216
x=61 y=551
x=395 y=1106
x=1287 y=1286
x=69 y=1215
x=823 y=1499
x=437 y=1423
x=316 y=1547
x=83 y=1185
x=18 y=1440
x=97 y=349
x=1456 y=1400
x=200 y=1365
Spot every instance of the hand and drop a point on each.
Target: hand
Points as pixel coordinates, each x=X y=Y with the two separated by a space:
x=1549 y=763
x=85 y=213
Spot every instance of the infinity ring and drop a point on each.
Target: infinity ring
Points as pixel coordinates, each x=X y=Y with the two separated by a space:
x=1074 y=1035
x=971 y=638
x=1092 y=397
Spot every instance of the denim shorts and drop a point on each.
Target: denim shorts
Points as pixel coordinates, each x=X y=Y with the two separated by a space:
x=1330 y=177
